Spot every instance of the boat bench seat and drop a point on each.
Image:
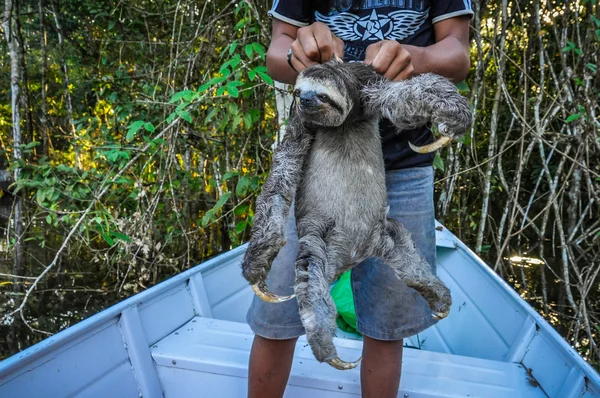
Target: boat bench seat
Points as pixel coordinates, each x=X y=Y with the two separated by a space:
x=209 y=357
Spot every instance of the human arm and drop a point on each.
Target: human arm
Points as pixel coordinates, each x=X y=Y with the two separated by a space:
x=449 y=56
x=310 y=45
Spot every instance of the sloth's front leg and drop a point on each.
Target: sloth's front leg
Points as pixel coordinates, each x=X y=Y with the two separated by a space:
x=315 y=305
x=273 y=207
x=425 y=98
x=397 y=249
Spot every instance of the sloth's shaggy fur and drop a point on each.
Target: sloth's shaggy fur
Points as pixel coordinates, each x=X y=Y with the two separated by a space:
x=331 y=164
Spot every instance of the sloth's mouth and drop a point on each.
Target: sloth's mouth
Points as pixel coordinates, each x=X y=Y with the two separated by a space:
x=310 y=108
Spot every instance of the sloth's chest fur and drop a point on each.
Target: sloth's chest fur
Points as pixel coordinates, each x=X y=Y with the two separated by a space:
x=344 y=178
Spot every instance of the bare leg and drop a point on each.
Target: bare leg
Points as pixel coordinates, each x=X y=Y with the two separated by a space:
x=269 y=368
x=397 y=249
x=381 y=367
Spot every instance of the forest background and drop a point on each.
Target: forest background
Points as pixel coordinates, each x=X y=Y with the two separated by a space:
x=135 y=136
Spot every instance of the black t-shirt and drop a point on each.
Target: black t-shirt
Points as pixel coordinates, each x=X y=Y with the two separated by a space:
x=360 y=23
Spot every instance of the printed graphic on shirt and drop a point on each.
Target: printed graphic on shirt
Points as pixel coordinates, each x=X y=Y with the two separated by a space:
x=397 y=25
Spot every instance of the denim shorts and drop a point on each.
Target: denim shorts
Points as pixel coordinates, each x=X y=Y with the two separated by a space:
x=386 y=309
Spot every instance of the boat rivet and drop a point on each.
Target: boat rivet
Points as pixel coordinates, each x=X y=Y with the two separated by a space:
x=340 y=387
x=154 y=346
x=176 y=333
x=174 y=362
x=405 y=395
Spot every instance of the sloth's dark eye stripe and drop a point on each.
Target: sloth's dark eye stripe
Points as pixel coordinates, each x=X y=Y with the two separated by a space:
x=336 y=106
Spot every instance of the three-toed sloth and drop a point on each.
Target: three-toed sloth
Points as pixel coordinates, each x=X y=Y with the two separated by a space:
x=330 y=164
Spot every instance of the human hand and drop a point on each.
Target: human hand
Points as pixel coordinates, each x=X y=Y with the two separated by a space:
x=390 y=59
x=315 y=44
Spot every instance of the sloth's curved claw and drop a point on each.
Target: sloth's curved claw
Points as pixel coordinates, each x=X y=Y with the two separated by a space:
x=434 y=146
x=343 y=365
x=439 y=315
x=261 y=291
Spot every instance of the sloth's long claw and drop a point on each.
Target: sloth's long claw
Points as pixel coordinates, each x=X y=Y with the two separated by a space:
x=343 y=365
x=434 y=146
x=261 y=291
x=439 y=315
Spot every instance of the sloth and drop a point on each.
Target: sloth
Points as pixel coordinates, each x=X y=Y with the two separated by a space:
x=330 y=164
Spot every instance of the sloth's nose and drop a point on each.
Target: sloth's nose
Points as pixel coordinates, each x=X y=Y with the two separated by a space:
x=309 y=98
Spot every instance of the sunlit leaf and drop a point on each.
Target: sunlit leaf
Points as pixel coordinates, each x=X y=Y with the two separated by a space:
x=149 y=127
x=133 y=129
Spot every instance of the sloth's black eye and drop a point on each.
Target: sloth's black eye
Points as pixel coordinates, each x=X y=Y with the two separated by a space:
x=323 y=97
x=297 y=92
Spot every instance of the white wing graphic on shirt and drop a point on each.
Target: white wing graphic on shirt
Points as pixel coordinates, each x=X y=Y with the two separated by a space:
x=405 y=23
x=342 y=25
x=397 y=25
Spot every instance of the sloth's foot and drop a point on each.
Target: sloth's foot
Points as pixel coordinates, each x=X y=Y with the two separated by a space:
x=436 y=294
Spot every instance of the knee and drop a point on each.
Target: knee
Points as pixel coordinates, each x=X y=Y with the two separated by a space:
x=268 y=346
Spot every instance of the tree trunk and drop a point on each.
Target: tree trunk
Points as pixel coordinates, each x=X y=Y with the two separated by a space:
x=43 y=88
x=10 y=27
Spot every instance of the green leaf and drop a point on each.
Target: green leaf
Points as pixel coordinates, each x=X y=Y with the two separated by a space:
x=248 y=49
x=248 y=120
x=573 y=117
x=463 y=86
x=232 y=47
x=108 y=239
x=221 y=201
x=241 y=227
x=591 y=67
x=133 y=129
x=233 y=91
x=171 y=117
x=149 y=127
x=438 y=163
x=259 y=49
x=242 y=22
x=242 y=186
x=230 y=174
x=208 y=217
x=121 y=236
x=241 y=209
x=186 y=95
x=185 y=116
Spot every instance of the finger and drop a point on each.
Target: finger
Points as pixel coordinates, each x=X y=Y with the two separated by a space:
x=324 y=39
x=371 y=53
x=299 y=59
x=384 y=58
x=406 y=73
x=308 y=42
x=338 y=46
x=398 y=65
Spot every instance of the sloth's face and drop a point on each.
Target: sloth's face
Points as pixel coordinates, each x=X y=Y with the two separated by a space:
x=321 y=100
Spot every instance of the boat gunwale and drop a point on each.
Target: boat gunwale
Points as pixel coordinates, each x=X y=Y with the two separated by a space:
x=542 y=324
x=100 y=319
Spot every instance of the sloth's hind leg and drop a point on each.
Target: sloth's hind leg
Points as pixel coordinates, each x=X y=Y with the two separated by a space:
x=398 y=250
x=316 y=307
